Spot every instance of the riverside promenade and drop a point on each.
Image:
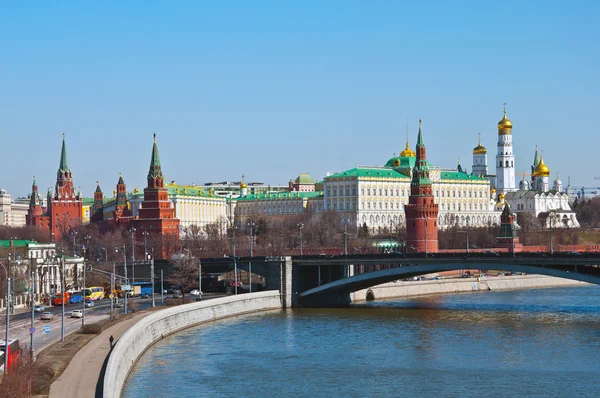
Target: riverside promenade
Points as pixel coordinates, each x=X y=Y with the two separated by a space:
x=83 y=376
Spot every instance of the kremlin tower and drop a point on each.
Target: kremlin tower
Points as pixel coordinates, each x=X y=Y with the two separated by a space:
x=505 y=159
x=156 y=215
x=421 y=210
x=35 y=213
x=64 y=209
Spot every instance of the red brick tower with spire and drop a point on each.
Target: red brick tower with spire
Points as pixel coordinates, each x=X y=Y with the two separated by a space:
x=98 y=209
x=421 y=210
x=121 y=209
x=157 y=215
x=65 y=207
x=35 y=213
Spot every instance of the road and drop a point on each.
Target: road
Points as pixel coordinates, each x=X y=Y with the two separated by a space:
x=21 y=323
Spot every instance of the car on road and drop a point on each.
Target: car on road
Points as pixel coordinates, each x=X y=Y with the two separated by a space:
x=145 y=295
x=39 y=308
x=118 y=305
x=195 y=292
x=573 y=254
x=47 y=316
x=76 y=314
x=88 y=304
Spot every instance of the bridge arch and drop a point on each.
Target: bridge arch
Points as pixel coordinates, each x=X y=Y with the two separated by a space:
x=338 y=292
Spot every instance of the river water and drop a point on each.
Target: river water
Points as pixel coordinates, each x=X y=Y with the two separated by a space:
x=529 y=343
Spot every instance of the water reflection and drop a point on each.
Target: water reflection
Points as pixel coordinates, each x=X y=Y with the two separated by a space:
x=518 y=343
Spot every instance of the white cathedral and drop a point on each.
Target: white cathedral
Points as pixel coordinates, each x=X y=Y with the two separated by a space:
x=550 y=205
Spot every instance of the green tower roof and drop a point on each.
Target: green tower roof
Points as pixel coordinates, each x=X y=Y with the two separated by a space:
x=63 y=166
x=155 y=169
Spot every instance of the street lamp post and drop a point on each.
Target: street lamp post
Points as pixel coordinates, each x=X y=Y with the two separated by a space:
x=145 y=234
x=251 y=225
x=300 y=227
x=152 y=277
x=62 y=281
x=122 y=250
x=234 y=271
x=105 y=254
x=112 y=289
x=7 y=317
x=83 y=291
x=133 y=254
x=32 y=304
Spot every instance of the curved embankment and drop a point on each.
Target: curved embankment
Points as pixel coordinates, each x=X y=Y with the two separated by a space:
x=162 y=323
x=444 y=286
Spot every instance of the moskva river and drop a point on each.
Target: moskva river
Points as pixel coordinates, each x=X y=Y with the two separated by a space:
x=531 y=343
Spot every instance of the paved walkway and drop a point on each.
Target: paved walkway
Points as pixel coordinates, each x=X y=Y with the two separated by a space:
x=81 y=377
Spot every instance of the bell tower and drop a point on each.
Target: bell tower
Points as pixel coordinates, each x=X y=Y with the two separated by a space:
x=505 y=159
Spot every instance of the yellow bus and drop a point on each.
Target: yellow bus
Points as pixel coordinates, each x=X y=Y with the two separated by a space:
x=94 y=293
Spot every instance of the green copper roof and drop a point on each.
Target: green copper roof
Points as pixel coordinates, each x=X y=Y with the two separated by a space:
x=305 y=179
x=63 y=166
x=536 y=160
x=369 y=172
x=16 y=242
x=87 y=201
x=402 y=162
x=121 y=182
x=420 y=136
x=189 y=190
x=281 y=195
x=98 y=190
x=458 y=175
x=155 y=169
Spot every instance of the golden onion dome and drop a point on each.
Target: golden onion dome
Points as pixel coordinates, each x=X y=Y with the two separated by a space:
x=479 y=150
x=500 y=197
x=541 y=170
x=504 y=125
x=407 y=152
x=243 y=185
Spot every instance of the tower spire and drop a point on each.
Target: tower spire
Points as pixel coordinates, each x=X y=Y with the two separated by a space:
x=155 y=169
x=420 y=137
x=63 y=166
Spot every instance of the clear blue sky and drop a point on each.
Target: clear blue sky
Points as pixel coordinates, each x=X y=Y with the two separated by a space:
x=272 y=89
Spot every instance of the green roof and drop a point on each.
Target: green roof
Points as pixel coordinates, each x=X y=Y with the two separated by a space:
x=189 y=190
x=63 y=166
x=16 y=242
x=87 y=201
x=369 y=172
x=281 y=195
x=305 y=179
x=402 y=162
x=457 y=175
x=155 y=169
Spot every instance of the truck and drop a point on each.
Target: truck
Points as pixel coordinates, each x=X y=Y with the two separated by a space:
x=141 y=288
x=58 y=298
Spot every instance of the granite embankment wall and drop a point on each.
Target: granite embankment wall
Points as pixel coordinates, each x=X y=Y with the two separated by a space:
x=162 y=323
x=463 y=285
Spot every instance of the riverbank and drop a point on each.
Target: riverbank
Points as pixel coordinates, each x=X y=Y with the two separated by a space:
x=136 y=340
x=401 y=289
